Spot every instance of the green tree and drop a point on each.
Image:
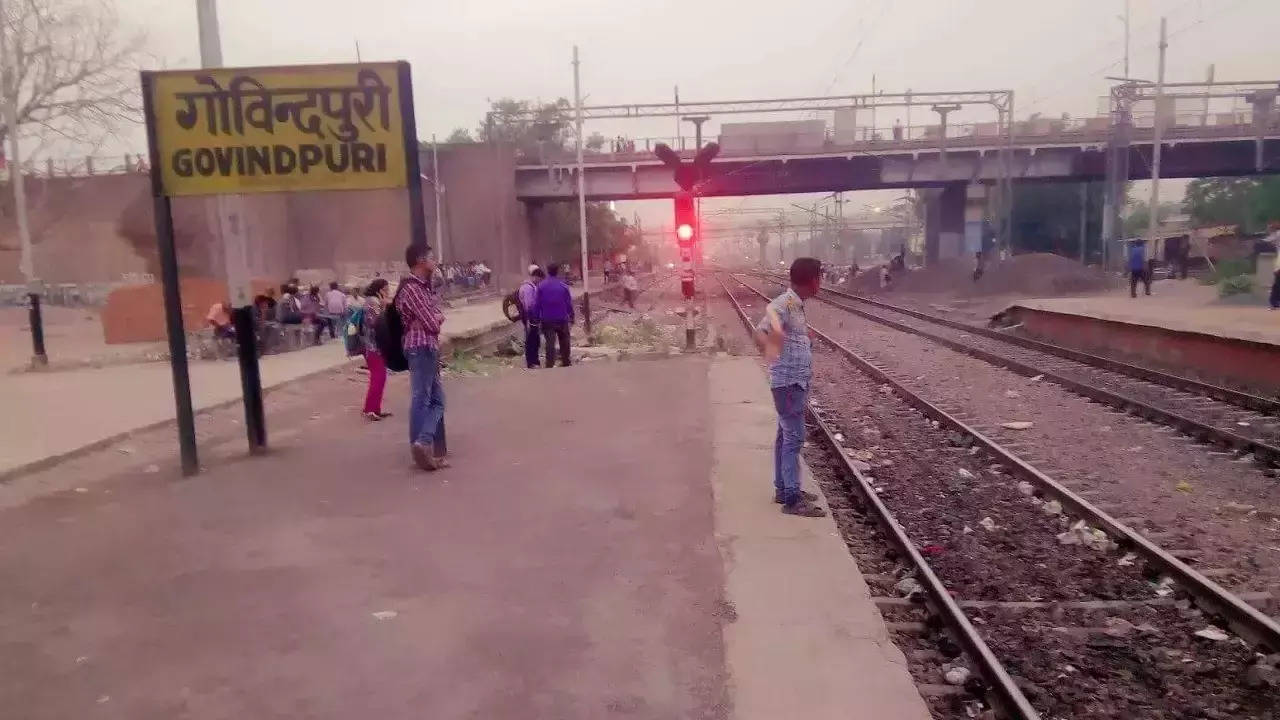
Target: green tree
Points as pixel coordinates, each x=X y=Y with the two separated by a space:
x=1248 y=202
x=535 y=130
x=459 y=136
x=1139 y=217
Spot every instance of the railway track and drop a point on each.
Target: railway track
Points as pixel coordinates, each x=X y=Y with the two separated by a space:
x=1239 y=422
x=1027 y=611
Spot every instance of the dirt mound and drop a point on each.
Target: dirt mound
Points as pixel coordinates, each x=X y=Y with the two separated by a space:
x=1033 y=274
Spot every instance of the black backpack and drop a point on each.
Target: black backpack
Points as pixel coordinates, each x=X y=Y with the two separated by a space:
x=389 y=332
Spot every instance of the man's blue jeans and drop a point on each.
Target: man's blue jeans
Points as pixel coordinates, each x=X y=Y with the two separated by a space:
x=426 y=404
x=789 y=401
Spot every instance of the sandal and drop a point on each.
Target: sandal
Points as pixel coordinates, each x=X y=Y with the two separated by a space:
x=384 y=415
x=372 y=417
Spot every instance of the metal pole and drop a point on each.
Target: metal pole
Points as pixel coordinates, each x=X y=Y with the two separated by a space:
x=678 y=144
x=231 y=223
x=1157 y=129
x=210 y=41
x=873 y=107
x=162 y=212
x=435 y=187
x=582 y=198
x=1126 y=39
x=26 y=262
x=1204 y=114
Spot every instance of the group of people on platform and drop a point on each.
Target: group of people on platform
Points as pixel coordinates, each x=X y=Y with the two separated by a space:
x=465 y=276
x=294 y=305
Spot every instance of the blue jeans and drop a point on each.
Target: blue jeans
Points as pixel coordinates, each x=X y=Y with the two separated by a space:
x=789 y=401
x=426 y=404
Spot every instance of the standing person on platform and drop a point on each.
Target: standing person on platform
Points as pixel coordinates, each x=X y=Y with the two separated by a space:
x=421 y=317
x=783 y=335
x=555 y=312
x=1138 y=270
x=528 y=295
x=335 y=302
x=629 y=288
x=375 y=302
x=1274 y=237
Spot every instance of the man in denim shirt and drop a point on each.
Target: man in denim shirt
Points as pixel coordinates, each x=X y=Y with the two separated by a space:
x=783 y=334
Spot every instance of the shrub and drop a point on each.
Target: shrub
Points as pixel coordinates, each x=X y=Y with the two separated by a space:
x=1236 y=285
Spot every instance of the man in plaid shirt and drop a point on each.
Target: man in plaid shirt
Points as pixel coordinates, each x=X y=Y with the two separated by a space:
x=419 y=308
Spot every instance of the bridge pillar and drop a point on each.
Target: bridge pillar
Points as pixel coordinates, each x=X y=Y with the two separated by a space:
x=944 y=223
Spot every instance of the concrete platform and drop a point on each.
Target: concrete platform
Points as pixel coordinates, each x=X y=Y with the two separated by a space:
x=808 y=642
x=118 y=400
x=1181 y=328
x=604 y=546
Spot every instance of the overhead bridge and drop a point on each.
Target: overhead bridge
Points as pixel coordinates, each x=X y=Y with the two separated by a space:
x=1214 y=150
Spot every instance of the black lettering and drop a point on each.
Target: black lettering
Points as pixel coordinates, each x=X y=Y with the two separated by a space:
x=205 y=162
x=381 y=149
x=259 y=160
x=361 y=157
x=240 y=168
x=286 y=160
x=223 y=156
x=309 y=156
x=343 y=159
x=182 y=162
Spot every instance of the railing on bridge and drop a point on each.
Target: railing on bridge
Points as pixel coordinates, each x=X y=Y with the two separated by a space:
x=1179 y=125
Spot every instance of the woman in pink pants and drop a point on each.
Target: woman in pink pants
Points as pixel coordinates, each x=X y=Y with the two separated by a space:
x=374 y=302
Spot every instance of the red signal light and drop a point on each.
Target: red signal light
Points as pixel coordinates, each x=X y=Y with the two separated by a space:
x=684 y=232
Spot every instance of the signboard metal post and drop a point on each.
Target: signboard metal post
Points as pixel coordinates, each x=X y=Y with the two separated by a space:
x=163 y=212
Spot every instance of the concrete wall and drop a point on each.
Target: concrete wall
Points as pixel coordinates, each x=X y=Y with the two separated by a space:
x=101 y=229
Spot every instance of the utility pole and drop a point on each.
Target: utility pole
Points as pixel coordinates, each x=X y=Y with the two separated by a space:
x=436 y=189
x=9 y=88
x=679 y=141
x=1126 y=38
x=1157 y=130
x=582 y=199
x=1204 y=114
x=873 y=107
x=230 y=224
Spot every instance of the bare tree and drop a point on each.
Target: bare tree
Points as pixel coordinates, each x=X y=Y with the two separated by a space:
x=68 y=76
x=76 y=71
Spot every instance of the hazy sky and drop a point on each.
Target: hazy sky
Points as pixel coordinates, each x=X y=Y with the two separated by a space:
x=1052 y=54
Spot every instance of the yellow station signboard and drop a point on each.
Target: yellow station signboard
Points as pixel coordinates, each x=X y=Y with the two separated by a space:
x=247 y=130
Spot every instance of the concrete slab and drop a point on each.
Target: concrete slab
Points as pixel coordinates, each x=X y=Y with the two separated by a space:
x=808 y=642
x=1179 y=305
x=565 y=567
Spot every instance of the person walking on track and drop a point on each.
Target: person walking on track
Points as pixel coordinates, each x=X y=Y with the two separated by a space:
x=375 y=299
x=555 y=312
x=630 y=288
x=528 y=297
x=420 y=315
x=783 y=335
x=1138 y=269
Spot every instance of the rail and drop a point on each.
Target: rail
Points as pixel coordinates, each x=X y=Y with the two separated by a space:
x=1009 y=697
x=1263 y=450
x=1246 y=620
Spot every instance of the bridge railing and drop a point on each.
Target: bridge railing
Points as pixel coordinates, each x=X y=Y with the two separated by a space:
x=915 y=137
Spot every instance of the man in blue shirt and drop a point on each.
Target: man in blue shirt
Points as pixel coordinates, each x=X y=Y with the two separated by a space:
x=783 y=335
x=555 y=312
x=1138 y=267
